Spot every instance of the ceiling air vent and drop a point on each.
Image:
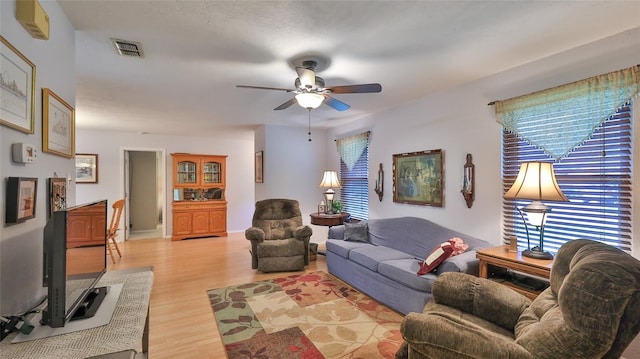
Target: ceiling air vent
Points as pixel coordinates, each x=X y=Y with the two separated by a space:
x=128 y=48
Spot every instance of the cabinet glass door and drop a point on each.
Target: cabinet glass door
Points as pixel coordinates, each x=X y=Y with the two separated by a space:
x=187 y=172
x=211 y=173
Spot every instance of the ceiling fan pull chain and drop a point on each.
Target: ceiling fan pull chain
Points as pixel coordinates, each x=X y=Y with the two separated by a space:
x=309 y=124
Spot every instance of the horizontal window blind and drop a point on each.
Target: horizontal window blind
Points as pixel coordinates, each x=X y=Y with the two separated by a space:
x=595 y=177
x=354 y=193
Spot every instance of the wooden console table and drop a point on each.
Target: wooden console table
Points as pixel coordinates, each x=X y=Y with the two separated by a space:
x=128 y=329
x=501 y=257
x=321 y=219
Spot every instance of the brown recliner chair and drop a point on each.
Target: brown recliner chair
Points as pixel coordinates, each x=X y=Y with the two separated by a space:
x=590 y=310
x=279 y=241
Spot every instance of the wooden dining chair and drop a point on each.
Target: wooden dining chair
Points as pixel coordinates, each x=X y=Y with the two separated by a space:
x=112 y=232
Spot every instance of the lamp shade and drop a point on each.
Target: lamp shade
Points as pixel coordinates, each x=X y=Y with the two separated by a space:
x=330 y=180
x=536 y=181
x=309 y=100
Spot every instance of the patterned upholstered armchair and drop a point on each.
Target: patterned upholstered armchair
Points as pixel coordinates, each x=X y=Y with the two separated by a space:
x=590 y=310
x=279 y=241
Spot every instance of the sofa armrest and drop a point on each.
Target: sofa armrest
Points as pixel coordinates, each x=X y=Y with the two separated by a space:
x=302 y=232
x=436 y=335
x=481 y=297
x=337 y=232
x=254 y=234
x=465 y=262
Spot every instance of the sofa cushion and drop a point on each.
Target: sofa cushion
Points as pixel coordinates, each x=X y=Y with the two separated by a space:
x=281 y=248
x=370 y=256
x=356 y=232
x=441 y=252
x=404 y=271
x=342 y=248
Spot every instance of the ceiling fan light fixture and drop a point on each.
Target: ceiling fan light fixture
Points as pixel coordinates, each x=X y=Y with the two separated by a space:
x=309 y=100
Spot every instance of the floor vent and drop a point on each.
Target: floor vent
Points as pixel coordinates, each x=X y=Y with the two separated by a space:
x=128 y=48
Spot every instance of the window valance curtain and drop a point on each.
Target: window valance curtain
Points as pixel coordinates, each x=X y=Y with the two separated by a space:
x=560 y=118
x=350 y=148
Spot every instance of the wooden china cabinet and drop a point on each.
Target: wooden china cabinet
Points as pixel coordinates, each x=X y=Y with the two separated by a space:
x=87 y=227
x=199 y=204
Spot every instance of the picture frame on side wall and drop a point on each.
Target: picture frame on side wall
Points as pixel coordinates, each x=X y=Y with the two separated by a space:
x=17 y=90
x=418 y=178
x=21 y=199
x=57 y=194
x=86 y=168
x=58 y=125
x=259 y=167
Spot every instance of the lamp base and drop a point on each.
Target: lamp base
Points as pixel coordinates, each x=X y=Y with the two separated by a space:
x=536 y=253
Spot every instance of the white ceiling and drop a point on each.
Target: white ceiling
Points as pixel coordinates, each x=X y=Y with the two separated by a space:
x=195 y=52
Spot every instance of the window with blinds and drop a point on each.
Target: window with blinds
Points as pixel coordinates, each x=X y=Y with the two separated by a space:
x=595 y=177
x=354 y=192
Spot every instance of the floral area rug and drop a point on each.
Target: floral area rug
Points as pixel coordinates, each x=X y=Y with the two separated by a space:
x=308 y=315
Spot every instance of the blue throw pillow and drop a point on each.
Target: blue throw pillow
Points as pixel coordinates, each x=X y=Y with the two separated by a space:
x=356 y=232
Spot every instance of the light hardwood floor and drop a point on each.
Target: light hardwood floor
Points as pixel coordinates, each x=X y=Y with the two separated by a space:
x=181 y=320
x=182 y=324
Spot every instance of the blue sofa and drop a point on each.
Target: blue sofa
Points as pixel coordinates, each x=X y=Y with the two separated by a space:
x=385 y=267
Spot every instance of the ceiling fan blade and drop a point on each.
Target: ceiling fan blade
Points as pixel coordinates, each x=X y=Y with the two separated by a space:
x=307 y=77
x=264 y=88
x=336 y=104
x=286 y=104
x=364 y=88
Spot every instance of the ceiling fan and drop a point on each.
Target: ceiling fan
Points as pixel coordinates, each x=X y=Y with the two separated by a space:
x=311 y=92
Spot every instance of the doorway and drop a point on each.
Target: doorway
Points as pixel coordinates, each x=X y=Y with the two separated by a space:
x=144 y=190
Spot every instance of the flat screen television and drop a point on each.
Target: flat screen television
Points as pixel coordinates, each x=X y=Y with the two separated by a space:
x=74 y=260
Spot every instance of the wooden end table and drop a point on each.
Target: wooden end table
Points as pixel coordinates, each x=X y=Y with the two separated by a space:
x=329 y=220
x=501 y=257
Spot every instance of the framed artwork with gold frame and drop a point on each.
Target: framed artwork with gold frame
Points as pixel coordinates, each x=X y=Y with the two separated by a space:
x=418 y=178
x=58 y=125
x=259 y=167
x=17 y=93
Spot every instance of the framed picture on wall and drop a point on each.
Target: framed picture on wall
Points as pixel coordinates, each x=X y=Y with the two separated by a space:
x=21 y=199
x=86 y=168
x=418 y=178
x=57 y=194
x=58 y=125
x=258 y=167
x=17 y=93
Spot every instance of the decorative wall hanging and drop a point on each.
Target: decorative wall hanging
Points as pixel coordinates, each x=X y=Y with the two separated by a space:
x=418 y=178
x=380 y=183
x=259 y=171
x=21 y=199
x=17 y=90
x=58 y=125
x=57 y=194
x=469 y=180
x=86 y=168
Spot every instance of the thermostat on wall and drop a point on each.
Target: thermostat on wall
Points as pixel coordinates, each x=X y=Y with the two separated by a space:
x=24 y=153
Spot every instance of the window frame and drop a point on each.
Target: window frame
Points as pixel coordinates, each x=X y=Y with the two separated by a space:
x=600 y=189
x=354 y=191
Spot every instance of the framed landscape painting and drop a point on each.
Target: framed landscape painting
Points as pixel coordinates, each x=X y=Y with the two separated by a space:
x=418 y=178
x=86 y=168
x=17 y=88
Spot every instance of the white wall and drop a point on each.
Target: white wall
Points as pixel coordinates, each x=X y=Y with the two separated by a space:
x=458 y=121
x=293 y=168
x=110 y=145
x=21 y=244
